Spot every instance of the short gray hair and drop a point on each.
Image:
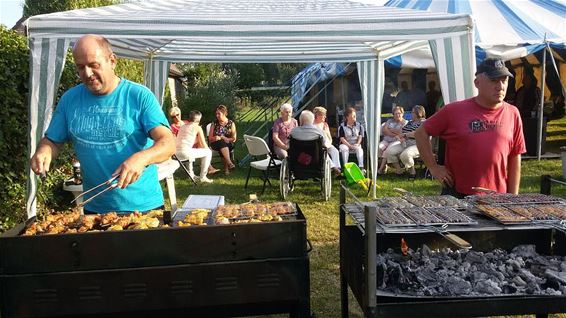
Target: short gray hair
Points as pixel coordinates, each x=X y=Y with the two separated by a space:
x=286 y=106
x=307 y=117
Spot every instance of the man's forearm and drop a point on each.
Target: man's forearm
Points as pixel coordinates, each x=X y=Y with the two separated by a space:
x=513 y=174
x=163 y=147
x=425 y=148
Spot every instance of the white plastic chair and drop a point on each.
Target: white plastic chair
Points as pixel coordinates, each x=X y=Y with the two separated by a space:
x=257 y=147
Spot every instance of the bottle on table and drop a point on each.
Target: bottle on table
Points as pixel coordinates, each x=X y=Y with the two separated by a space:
x=77 y=176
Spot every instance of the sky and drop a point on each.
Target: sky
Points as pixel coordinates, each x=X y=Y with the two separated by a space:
x=10 y=12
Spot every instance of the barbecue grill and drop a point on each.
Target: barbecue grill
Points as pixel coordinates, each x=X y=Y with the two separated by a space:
x=214 y=270
x=359 y=247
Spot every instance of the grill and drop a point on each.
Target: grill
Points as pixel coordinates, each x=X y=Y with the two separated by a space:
x=214 y=270
x=359 y=248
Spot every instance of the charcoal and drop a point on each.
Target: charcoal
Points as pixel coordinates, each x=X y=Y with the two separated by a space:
x=525 y=251
x=487 y=287
x=426 y=272
x=519 y=281
x=475 y=257
x=458 y=286
x=509 y=289
x=551 y=292
x=557 y=276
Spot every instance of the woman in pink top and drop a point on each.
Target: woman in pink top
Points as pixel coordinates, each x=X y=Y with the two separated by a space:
x=176 y=122
x=390 y=130
x=282 y=129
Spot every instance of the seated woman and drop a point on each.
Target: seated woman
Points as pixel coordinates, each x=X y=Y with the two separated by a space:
x=176 y=122
x=406 y=147
x=351 y=134
x=189 y=135
x=320 y=122
x=222 y=136
x=390 y=130
x=282 y=129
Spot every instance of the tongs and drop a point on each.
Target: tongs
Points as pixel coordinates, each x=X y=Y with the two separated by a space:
x=110 y=185
x=450 y=237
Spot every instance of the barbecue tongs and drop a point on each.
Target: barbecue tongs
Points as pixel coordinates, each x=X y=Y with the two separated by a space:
x=110 y=185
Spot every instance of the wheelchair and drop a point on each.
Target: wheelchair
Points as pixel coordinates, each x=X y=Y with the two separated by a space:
x=307 y=159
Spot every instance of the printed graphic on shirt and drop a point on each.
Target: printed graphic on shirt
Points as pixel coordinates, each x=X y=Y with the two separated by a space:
x=100 y=127
x=479 y=126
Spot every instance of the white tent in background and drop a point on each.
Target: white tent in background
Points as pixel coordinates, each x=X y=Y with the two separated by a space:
x=506 y=29
x=164 y=31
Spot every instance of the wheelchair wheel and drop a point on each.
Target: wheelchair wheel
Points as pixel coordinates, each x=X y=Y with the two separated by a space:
x=326 y=181
x=284 y=179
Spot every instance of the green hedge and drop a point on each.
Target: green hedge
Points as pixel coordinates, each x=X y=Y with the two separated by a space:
x=14 y=73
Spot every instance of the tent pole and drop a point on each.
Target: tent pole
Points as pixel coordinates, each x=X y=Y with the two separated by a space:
x=541 y=110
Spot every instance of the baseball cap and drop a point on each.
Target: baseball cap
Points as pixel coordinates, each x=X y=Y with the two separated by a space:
x=493 y=68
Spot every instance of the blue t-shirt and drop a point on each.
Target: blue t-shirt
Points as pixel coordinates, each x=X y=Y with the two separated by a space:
x=105 y=131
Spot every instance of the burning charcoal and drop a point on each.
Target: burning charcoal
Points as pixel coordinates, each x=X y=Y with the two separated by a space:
x=487 y=287
x=458 y=286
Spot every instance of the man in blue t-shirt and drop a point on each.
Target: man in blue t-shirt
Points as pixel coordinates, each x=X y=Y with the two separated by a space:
x=116 y=127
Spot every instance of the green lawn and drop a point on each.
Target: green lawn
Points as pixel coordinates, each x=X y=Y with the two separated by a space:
x=322 y=217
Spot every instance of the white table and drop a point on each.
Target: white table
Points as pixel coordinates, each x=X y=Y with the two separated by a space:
x=165 y=170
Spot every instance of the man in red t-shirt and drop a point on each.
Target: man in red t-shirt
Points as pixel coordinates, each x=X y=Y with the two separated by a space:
x=483 y=134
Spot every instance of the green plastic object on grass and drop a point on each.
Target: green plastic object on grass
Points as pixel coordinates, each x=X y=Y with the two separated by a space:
x=353 y=173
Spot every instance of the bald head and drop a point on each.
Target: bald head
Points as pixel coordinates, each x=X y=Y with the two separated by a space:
x=93 y=40
x=95 y=64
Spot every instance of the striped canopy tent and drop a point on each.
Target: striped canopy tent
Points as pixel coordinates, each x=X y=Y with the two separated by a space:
x=505 y=29
x=163 y=31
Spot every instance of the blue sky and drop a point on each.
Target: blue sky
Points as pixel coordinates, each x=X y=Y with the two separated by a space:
x=10 y=12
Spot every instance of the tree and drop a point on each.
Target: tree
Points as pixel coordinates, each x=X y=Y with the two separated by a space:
x=35 y=7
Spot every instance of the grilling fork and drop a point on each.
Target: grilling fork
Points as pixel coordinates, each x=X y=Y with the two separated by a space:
x=110 y=185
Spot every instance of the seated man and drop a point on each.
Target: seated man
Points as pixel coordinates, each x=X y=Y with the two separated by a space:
x=351 y=134
x=189 y=135
x=308 y=131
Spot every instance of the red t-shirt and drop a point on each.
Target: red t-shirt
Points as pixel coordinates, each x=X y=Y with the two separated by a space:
x=479 y=142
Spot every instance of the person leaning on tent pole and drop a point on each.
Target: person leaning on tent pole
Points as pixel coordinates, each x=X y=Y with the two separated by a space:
x=483 y=134
x=117 y=128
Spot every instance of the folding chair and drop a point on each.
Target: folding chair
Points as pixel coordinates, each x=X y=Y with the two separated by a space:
x=185 y=168
x=257 y=147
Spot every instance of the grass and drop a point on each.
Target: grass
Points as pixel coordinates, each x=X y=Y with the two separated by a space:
x=322 y=217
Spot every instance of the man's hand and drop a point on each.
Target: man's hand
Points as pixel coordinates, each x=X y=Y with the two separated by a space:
x=163 y=148
x=45 y=153
x=442 y=174
x=130 y=170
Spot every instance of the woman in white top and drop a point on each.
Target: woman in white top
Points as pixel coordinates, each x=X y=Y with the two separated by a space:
x=189 y=135
x=320 y=122
x=390 y=130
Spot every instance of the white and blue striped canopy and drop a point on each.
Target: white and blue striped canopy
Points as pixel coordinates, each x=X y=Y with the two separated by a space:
x=270 y=31
x=505 y=29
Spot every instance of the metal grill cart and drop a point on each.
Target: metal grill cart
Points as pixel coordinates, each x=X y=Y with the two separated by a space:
x=197 y=271
x=362 y=238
